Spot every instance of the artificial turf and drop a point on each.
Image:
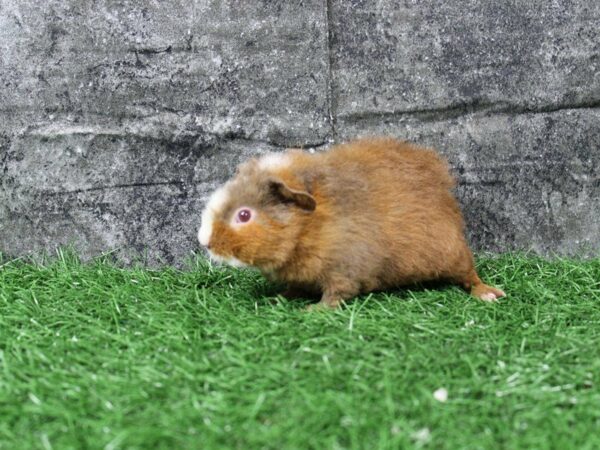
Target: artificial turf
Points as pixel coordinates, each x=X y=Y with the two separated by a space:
x=97 y=356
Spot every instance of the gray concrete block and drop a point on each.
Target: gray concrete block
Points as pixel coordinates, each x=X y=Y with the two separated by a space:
x=227 y=68
x=391 y=57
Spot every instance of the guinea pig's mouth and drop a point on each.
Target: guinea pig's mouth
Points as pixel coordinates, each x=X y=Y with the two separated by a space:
x=229 y=260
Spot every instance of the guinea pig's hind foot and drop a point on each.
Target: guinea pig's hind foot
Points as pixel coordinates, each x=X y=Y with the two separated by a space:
x=323 y=306
x=486 y=293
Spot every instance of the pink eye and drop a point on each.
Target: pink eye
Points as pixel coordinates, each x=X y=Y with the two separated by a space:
x=243 y=215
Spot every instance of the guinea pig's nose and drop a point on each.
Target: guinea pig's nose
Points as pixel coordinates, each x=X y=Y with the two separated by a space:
x=208 y=246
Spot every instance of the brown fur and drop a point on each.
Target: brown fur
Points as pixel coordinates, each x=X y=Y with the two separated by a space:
x=384 y=217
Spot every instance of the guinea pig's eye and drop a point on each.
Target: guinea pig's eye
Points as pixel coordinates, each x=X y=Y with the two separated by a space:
x=243 y=215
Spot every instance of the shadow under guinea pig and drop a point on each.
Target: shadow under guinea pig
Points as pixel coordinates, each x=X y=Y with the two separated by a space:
x=274 y=293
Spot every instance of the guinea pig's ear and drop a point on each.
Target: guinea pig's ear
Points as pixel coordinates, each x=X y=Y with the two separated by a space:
x=300 y=198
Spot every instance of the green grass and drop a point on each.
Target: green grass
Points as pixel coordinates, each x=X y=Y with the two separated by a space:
x=96 y=356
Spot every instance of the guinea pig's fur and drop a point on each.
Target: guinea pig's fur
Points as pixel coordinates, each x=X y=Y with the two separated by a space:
x=367 y=215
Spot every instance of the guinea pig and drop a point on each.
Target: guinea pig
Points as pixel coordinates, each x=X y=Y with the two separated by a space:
x=368 y=215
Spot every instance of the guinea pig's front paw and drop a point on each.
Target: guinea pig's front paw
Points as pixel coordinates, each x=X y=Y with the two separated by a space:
x=487 y=293
x=335 y=293
x=323 y=306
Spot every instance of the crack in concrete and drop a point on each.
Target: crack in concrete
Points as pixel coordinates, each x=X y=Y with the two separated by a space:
x=151 y=51
x=138 y=128
x=57 y=129
x=331 y=99
x=464 y=109
x=115 y=186
x=271 y=143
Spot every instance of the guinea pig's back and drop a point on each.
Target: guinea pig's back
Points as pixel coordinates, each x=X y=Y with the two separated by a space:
x=401 y=197
x=389 y=174
x=402 y=161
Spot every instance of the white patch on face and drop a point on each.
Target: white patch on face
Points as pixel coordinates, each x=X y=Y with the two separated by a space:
x=215 y=203
x=274 y=161
x=231 y=261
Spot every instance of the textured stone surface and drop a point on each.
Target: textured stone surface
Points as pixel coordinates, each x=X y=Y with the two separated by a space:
x=118 y=118
x=190 y=69
x=392 y=57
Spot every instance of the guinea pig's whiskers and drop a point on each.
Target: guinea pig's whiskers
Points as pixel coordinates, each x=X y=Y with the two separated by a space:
x=230 y=261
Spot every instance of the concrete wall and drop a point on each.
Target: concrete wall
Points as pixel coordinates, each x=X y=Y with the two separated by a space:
x=117 y=118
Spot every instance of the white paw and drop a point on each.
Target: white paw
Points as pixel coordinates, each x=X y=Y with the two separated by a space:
x=488 y=297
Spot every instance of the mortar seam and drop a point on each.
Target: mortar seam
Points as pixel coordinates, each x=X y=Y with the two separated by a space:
x=331 y=101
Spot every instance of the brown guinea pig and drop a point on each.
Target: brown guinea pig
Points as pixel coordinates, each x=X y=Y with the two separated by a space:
x=368 y=215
